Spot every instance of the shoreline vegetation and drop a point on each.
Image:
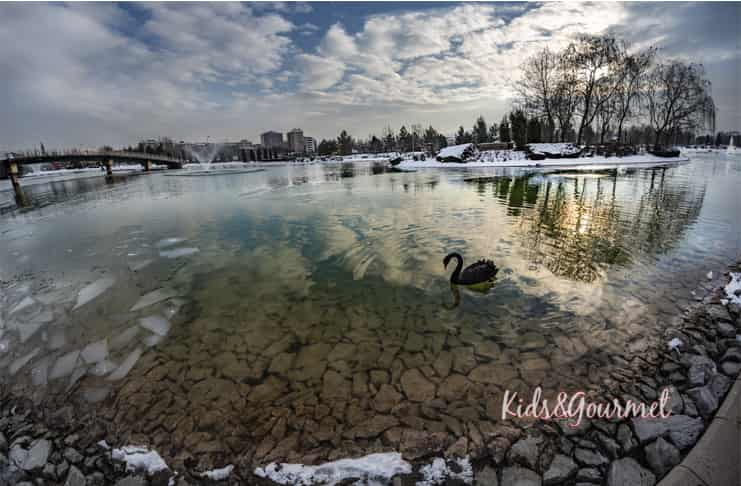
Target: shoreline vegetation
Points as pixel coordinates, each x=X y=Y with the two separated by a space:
x=691 y=369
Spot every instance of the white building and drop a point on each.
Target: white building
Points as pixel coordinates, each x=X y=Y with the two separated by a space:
x=310 y=145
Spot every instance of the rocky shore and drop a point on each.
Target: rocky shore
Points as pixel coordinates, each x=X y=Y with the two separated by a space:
x=57 y=444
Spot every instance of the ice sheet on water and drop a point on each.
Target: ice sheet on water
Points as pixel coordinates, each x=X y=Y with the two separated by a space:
x=380 y=466
x=103 y=367
x=91 y=291
x=23 y=304
x=95 y=352
x=124 y=338
x=139 y=459
x=164 y=243
x=178 y=252
x=64 y=365
x=126 y=366
x=22 y=361
x=157 y=324
x=154 y=297
x=95 y=395
x=56 y=339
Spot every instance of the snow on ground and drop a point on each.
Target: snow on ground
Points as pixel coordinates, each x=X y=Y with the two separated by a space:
x=139 y=459
x=499 y=160
x=553 y=148
x=439 y=471
x=218 y=474
x=373 y=467
x=454 y=150
x=733 y=289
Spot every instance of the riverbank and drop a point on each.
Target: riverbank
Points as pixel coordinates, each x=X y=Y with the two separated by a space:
x=697 y=360
x=518 y=159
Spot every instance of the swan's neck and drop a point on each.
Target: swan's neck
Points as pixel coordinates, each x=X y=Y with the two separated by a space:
x=457 y=272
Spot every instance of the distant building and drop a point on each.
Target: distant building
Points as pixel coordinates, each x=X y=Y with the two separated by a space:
x=271 y=139
x=309 y=145
x=296 y=141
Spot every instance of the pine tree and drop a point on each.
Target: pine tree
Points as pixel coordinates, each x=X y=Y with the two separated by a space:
x=460 y=137
x=480 y=131
x=504 y=134
x=518 y=128
x=493 y=132
x=345 y=143
x=405 y=139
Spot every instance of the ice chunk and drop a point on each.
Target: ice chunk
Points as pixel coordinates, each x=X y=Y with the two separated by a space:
x=40 y=372
x=733 y=289
x=172 y=307
x=156 y=324
x=25 y=331
x=125 y=337
x=373 y=467
x=4 y=346
x=76 y=375
x=136 y=266
x=57 y=339
x=126 y=366
x=709 y=275
x=23 y=361
x=178 y=252
x=675 y=343
x=152 y=340
x=103 y=367
x=24 y=304
x=65 y=365
x=95 y=352
x=218 y=474
x=139 y=459
x=169 y=242
x=153 y=297
x=91 y=291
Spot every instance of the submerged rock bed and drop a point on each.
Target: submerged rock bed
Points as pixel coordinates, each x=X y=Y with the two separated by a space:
x=411 y=409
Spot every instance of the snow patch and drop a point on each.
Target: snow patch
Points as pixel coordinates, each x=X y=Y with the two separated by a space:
x=675 y=343
x=218 y=474
x=95 y=352
x=553 y=148
x=156 y=324
x=139 y=459
x=439 y=471
x=153 y=297
x=378 y=467
x=126 y=366
x=733 y=289
x=89 y=292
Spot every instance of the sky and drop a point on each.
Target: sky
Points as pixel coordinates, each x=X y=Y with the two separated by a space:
x=89 y=74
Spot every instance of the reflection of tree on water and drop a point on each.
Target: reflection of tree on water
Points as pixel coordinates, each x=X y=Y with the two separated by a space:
x=578 y=227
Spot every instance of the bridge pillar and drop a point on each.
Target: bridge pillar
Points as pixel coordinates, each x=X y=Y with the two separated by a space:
x=147 y=166
x=108 y=168
x=13 y=173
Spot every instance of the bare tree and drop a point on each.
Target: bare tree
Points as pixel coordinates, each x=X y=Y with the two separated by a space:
x=629 y=90
x=538 y=86
x=677 y=98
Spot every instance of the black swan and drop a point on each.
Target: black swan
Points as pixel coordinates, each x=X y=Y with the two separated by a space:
x=479 y=274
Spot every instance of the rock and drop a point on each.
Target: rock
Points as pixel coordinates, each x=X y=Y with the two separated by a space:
x=519 y=476
x=453 y=388
x=627 y=472
x=487 y=349
x=37 y=455
x=568 y=430
x=661 y=456
x=590 y=458
x=443 y=363
x=704 y=399
x=335 y=387
x=732 y=354
x=526 y=451
x=682 y=430
x=625 y=437
x=561 y=469
x=589 y=475
x=72 y=455
x=458 y=449
x=730 y=368
x=719 y=385
x=697 y=375
x=131 y=481
x=493 y=374
x=609 y=445
x=726 y=330
x=375 y=426
x=416 y=387
x=718 y=313
x=416 y=444
x=486 y=477
x=463 y=359
x=75 y=478
x=386 y=398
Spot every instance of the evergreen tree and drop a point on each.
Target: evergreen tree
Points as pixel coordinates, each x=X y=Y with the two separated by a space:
x=375 y=144
x=493 y=132
x=389 y=140
x=518 y=128
x=405 y=139
x=480 y=131
x=460 y=137
x=345 y=143
x=504 y=134
x=533 y=131
x=327 y=147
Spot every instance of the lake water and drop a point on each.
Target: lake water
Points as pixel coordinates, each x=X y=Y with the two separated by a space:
x=303 y=313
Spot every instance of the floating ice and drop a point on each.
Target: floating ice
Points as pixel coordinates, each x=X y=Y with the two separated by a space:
x=178 y=252
x=173 y=306
x=125 y=337
x=169 y=242
x=139 y=459
x=95 y=352
x=709 y=275
x=733 y=289
x=91 y=291
x=153 y=297
x=21 y=362
x=136 y=266
x=675 y=343
x=156 y=324
x=218 y=474
x=438 y=472
x=25 y=303
x=65 y=365
x=103 y=367
x=56 y=339
x=379 y=467
x=126 y=366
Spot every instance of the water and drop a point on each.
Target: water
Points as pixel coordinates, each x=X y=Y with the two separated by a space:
x=304 y=314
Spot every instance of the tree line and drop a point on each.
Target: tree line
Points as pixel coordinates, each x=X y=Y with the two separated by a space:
x=597 y=86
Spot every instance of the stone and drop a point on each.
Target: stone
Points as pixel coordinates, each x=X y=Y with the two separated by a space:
x=730 y=368
x=72 y=455
x=379 y=377
x=519 y=476
x=416 y=387
x=3 y=443
x=375 y=426
x=486 y=477
x=487 y=349
x=609 y=445
x=697 y=375
x=718 y=313
x=726 y=330
x=492 y=374
x=335 y=386
x=131 y=481
x=458 y=449
x=589 y=457
x=683 y=431
x=719 y=385
x=37 y=455
x=454 y=387
x=704 y=399
x=675 y=402
x=75 y=478
x=627 y=472
x=526 y=451
x=732 y=354
x=463 y=359
x=416 y=444
x=661 y=456
x=386 y=398
x=589 y=475
x=561 y=469
x=443 y=363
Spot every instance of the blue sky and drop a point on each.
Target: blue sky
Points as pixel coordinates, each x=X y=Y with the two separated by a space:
x=89 y=74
